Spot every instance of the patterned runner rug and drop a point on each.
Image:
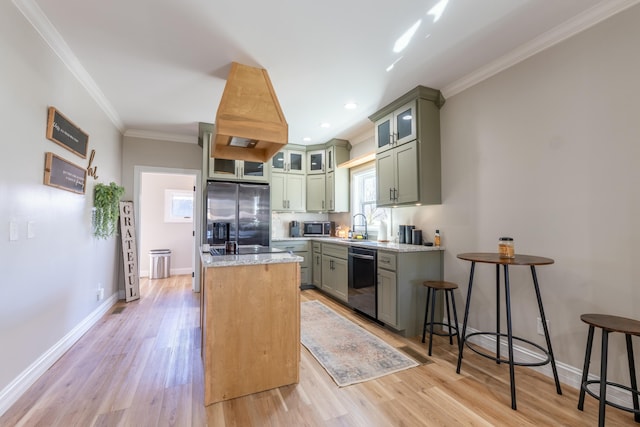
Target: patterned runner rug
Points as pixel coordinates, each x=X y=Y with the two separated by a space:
x=348 y=352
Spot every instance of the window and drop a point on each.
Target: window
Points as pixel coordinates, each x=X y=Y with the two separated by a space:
x=178 y=206
x=364 y=196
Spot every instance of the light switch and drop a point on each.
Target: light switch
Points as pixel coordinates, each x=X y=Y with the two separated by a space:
x=31 y=230
x=13 y=231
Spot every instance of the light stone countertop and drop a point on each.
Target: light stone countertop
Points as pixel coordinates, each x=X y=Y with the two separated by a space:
x=209 y=260
x=387 y=246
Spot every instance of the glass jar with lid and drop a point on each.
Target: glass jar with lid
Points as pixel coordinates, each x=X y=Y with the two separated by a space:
x=506 y=248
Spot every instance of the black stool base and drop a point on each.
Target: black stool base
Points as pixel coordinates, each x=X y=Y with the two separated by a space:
x=429 y=324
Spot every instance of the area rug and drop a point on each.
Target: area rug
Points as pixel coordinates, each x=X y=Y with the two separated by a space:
x=348 y=352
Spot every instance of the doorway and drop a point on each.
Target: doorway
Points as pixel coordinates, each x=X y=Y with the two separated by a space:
x=167 y=211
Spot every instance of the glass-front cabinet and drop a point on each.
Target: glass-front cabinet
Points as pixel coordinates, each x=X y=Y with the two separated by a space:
x=330 y=158
x=315 y=162
x=407 y=134
x=396 y=128
x=238 y=170
x=289 y=161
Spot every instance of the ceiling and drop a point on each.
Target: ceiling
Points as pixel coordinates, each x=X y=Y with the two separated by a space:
x=158 y=67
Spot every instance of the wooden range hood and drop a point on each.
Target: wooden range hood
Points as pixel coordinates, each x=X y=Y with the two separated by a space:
x=249 y=122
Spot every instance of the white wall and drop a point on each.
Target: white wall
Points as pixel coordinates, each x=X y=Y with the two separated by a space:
x=547 y=152
x=49 y=282
x=155 y=233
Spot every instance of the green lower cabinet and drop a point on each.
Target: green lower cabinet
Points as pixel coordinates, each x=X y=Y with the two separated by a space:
x=401 y=295
x=300 y=248
x=387 y=309
x=335 y=271
x=317 y=270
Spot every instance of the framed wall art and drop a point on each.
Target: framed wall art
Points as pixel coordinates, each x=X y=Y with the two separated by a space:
x=62 y=131
x=63 y=174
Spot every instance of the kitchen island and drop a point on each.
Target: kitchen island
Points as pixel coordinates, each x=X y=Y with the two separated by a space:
x=250 y=319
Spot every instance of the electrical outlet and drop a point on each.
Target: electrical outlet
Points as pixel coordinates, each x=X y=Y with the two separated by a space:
x=539 y=326
x=100 y=294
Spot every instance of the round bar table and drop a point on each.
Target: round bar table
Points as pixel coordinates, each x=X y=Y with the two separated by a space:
x=527 y=260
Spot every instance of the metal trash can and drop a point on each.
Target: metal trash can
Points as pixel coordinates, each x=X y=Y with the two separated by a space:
x=159 y=263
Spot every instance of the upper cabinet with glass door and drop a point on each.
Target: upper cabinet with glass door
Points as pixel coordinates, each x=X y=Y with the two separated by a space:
x=396 y=128
x=315 y=162
x=289 y=161
x=407 y=134
x=238 y=170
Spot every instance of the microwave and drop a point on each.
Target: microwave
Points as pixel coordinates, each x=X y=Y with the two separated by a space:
x=321 y=228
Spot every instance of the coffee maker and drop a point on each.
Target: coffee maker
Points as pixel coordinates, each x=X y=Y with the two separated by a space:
x=294 y=229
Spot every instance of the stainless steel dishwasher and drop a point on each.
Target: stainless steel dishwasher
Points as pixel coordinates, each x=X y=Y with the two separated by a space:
x=363 y=289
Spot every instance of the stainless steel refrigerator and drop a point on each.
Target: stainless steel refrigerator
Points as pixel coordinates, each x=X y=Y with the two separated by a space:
x=238 y=212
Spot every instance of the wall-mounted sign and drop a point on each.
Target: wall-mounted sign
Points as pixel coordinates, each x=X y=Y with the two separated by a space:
x=63 y=174
x=129 y=252
x=62 y=131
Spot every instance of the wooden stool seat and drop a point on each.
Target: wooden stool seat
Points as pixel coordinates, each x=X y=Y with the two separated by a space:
x=432 y=287
x=608 y=324
x=439 y=285
x=613 y=323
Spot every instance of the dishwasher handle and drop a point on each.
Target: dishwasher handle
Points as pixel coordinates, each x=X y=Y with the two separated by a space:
x=361 y=256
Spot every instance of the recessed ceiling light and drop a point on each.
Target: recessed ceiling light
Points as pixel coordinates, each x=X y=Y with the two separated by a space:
x=306 y=139
x=325 y=125
x=404 y=39
x=350 y=105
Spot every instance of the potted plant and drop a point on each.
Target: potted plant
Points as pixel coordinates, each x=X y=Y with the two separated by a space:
x=106 y=204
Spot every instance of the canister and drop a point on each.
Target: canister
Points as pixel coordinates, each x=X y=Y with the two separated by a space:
x=408 y=234
x=401 y=233
x=416 y=237
x=506 y=248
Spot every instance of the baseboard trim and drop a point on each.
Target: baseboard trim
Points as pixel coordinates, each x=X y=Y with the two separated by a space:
x=567 y=374
x=173 y=272
x=16 y=388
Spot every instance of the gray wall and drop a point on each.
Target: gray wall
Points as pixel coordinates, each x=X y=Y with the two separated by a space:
x=156 y=153
x=49 y=282
x=547 y=152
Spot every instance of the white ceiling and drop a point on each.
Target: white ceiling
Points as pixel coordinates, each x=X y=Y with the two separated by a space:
x=158 y=67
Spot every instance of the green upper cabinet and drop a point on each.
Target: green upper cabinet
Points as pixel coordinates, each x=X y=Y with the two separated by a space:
x=289 y=161
x=226 y=169
x=315 y=162
x=330 y=158
x=238 y=170
x=407 y=134
x=396 y=128
x=327 y=184
x=316 y=193
x=288 y=192
x=337 y=179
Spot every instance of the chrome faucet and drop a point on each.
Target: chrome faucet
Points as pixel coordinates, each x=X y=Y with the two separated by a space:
x=353 y=227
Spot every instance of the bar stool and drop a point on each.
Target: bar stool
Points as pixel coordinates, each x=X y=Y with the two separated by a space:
x=608 y=324
x=433 y=286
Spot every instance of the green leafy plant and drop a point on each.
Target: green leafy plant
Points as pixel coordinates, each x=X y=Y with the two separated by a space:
x=107 y=209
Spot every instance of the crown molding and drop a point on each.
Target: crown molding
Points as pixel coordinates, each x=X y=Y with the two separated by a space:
x=581 y=22
x=44 y=27
x=160 y=136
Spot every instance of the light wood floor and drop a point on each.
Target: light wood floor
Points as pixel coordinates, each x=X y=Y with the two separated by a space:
x=140 y=366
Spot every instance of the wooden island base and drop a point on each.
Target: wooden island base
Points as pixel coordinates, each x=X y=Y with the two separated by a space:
x=250 y=329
